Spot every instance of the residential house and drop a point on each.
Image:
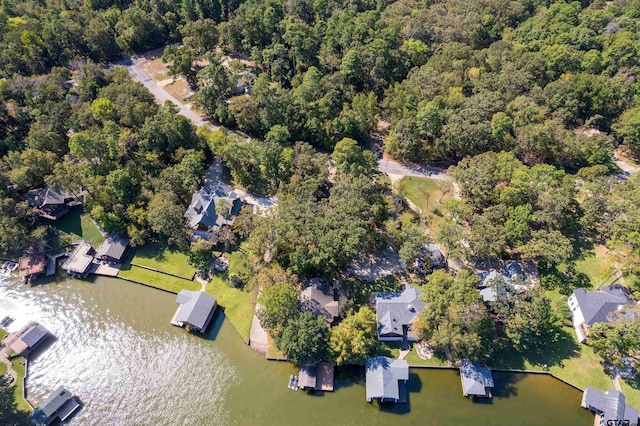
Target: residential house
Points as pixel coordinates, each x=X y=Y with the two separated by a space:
x=113 y=249
x=52 y=203
x=477 y=381
x=80 y=260
x=316 y=377
x=321 y=299
x=202 y=215
x=195 y=311
x=386 y=379
x=30 y=338
x=590 y=307
x=61 y=404
x=609 y=407
x=396 y=312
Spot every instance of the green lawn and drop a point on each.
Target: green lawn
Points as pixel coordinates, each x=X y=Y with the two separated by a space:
x=3 y=369
x=79 y=226
x=598 y=266
x=631 y=390
x=163 y=258
x=272 y=350
x=18 y=366
x=425 y=193
x=238 y=304
x=156 y=279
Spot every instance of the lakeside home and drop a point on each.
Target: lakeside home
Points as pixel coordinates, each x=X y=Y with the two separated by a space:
x=477 y=381
x=60 y=405
x=52 y=203
x=386 y=379
x=396 y=312
x=79 y=261
x=321 y=299
x=590 y=307
x=195 y=310
x=113 y=249
x=209 y=211
x=610 y=407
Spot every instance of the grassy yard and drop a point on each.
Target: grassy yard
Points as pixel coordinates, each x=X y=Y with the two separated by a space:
x=79 y=226
x=156 y=279
x=272 y=350
x=19 y=367
x=163 y=258
x=425 y=193
x=238 y=304
x=597 y=265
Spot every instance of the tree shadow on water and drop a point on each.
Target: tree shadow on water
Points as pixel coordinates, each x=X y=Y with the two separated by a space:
x=413 y=385
x=505 y=385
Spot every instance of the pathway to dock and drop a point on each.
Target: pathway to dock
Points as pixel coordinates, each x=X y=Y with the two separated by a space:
x=258 y=339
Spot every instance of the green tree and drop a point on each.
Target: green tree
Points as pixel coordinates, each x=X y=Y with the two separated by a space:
x=355 y=339
x=278 y=306
x=628 y=126
x=619 y=340
x=351 y=159
x=9 y=412
x=304 y=339
x=455 y=321
x=532 y=324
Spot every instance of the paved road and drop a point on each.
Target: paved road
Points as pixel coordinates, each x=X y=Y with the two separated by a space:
x=396 y=169
x=137 y=73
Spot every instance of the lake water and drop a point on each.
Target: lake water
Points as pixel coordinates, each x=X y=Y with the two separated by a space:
x=116 y=350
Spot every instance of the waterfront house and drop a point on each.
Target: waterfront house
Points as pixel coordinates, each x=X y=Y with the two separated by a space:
x=113 y=249
x=316 y=377
x=33 y=265
x=386 y=379
x=497 y=285
x=321 y=299
x=195 y=310
x=396 y=312
x=590 y=307
x=61 y=404
x=52 y=203
x=80 y=260
x=29 y=338
x=202 y=216
x=477 y=381
x=609 y=407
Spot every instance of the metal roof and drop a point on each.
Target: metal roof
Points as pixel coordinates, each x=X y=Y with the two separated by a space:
x=611 y=404
x=52 y=404
x=383 y=376
x=114 y=247
x=34 y=335
x=475 y=379
x=196 y=307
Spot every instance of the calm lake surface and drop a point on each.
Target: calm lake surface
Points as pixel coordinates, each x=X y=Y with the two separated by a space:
x=116 y=350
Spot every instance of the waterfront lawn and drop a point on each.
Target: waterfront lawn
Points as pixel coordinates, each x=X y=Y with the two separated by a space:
x=79 y=226
x=598 y=266
x=3 y=369
x=19 y=367
x=414 y=360
x=156 y=279
x=238 y=304
x=631 y=389
x=425 y=193
x=163 y=258
x=272 y=350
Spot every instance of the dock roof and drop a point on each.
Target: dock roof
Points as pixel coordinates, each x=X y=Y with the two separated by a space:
x=80 y=259
x=611 y=404
x=384 y=376
x=35 y=263
x=196 y=307
x=307 y=376
x=34 y=335
x=114 y=247
x=50 y=405
x=475 y=379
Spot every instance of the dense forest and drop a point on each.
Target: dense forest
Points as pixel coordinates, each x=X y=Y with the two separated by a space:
x=525 y=100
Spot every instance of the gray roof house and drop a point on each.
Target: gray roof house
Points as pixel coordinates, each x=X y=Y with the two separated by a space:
x=201 y=215
x=52 y=203
x=396 y=312
x=113 y=248
x=590 y=307
x=609 y=406
x=59 y=405
x=34 y=335
x=436 y=259
x=477 y=381
x=319 y=298
x=195 y=311
x=386 y=379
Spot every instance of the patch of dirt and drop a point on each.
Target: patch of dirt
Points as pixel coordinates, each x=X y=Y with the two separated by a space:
x=157 y=69
x=179 y=89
